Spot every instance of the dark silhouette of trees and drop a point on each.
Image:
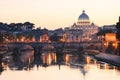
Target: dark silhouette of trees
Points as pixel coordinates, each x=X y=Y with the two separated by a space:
x=19 y=26
x=8 y=35
x=19 y=35
x=12 y=26
x=110 y=49
x=103 y=32
x=55 y=38
x=16 y=26
x=29 y=36
x=118 y=35
x=29 y=25
x=118 y=29
x=4 y=26
x=1 y=37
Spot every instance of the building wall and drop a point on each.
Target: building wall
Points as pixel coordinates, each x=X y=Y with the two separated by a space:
x=72 y=36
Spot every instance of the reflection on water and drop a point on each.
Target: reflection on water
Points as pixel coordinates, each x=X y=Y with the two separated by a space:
x=88 y=59
x=48 y=58
x=52 y=66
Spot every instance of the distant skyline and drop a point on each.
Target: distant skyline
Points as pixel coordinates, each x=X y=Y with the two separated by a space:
x=54 y=14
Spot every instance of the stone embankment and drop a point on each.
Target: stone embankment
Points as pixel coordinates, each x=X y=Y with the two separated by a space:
x=110 y=58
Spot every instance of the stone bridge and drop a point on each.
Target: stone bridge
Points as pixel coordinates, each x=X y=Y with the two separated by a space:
x=58 y=47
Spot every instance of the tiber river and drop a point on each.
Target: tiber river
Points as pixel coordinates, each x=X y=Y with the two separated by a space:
x=49 y=66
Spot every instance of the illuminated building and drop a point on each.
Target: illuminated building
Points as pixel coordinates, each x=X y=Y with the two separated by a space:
x=72 y=35
x=110 y=38
x=44 y=38
x=88 y=29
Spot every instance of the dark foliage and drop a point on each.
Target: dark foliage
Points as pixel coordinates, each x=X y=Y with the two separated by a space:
x=55 y=38
x=1 y=37
x=118 y=29
x=16 y=26
x=103 y=32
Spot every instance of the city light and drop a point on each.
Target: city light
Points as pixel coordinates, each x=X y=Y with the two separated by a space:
x=88 y=60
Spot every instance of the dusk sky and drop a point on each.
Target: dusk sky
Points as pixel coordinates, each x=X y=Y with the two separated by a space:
x=54 y=14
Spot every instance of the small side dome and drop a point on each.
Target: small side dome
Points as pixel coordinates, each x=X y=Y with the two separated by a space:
x=92 y=24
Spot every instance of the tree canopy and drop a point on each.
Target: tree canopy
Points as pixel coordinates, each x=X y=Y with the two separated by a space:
x=1 y=37
x=55 y=38
x=118 y=29
x=103 y=32
x=16 y=26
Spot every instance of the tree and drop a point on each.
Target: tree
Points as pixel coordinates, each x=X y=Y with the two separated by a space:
x=1 y=37
x=118 y=29
x=103 y=32
x=19 y=35
x=12 y=26
x=118 y=35
x=29 y=36
x=28 y=25
x=19 y=26
x=9 y=35
x=4 y=26
x=55 y=38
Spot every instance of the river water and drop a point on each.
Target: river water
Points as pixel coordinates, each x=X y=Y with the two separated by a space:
x=50 y=66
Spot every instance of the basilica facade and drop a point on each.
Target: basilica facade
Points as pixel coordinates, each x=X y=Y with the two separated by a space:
x=82 y=30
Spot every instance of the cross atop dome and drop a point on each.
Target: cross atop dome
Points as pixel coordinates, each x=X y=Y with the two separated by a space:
x=83 y=11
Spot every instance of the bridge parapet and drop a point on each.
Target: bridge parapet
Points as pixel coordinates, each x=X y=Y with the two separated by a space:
x=40 y=45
